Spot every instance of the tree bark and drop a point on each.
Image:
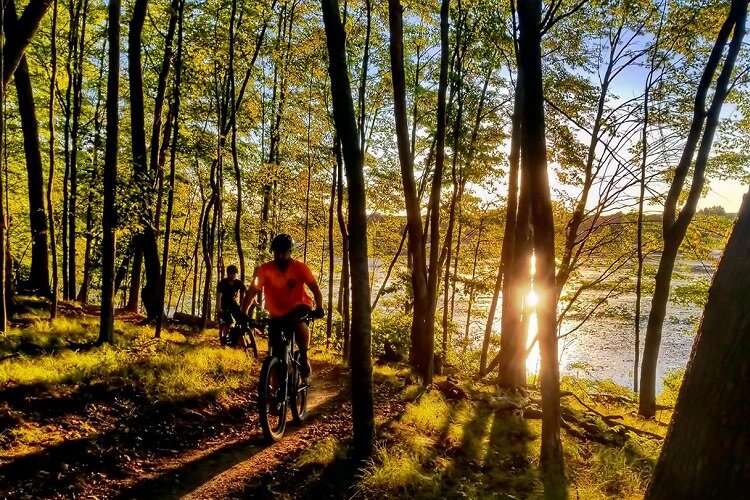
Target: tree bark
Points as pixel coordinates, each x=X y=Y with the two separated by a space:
x=534 y=164
x=346 y=126
x=172 y=171
x=109 y=216
x=472 y=290
x=515 y=261
x=147 y=237
x=51 y=177
x=26 y=27
x=235 y=159
x=344 y=287
x=331 y=257
x=703 y=128
x=39 y=273
x=706 y=451
x=413 y=217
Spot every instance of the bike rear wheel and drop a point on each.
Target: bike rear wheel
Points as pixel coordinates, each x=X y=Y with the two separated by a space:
x=272 y=399
x=299 y=396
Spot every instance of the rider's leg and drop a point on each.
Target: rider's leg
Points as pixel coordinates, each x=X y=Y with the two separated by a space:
x=302 y=334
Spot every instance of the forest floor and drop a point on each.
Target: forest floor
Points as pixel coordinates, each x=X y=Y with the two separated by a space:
x=177 y=418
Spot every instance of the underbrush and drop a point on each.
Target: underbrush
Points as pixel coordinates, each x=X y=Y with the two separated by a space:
x=444 y=449
x=175 y=367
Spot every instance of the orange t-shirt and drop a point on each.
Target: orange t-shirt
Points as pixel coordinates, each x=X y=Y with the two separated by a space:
x=284 y=291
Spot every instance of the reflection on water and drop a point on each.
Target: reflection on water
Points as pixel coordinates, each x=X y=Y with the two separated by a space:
x=603 y=348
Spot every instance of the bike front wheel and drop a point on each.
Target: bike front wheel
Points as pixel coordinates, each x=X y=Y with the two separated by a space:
x=272 y=399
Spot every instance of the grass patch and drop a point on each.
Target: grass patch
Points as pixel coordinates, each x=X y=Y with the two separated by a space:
x=323 y=453
x=439 y=449
x=173 y=368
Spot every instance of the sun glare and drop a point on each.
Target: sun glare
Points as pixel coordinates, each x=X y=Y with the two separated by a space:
x=532 y=299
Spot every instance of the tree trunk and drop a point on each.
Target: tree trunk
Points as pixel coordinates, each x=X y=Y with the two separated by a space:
x=701 y=136
x=433 y=276
x=235 y=159
x=472 y=290
x=39 y=273
x=147 y=238
x=134 y=292
x=27 y=26
x=344 y=291
x=331 y=257
x=534 y=164
x=109 y=217
x=50 y=179
x=172 y=170
x=83 y=294
x=706 y=451
x=74 y=139
x=346 y=126
x=515 y=261
x=413 y=216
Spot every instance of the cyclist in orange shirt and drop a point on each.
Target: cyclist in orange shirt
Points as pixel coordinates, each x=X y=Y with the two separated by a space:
x=283 y=281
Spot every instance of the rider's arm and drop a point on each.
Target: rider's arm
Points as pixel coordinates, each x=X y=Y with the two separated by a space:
x=218 y=302
x=317 y=294
x=249 y=301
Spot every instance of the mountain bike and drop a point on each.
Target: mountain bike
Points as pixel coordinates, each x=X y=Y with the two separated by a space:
x=239 y=334
x=281 y=385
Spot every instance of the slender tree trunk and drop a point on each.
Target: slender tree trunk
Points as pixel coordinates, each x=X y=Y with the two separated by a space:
x=83 y=294
x=51 y=177
x=161 y=89
x=706 y=451
x=74 y=139
x=331 y=257
x=344 y=291
x=74 y=16
x=534 y=164
x=235 y=159
x=459 y=240
x=433 y=276
x=309 y=170
x=414 y=219
x=3 y=275
x=147 y=238
x=703 y=128
x=515 y=261
x=136 y=275
x=472 y=290
x=39 y=273
x=109 y=217
x=343 y=111
x=172 y=170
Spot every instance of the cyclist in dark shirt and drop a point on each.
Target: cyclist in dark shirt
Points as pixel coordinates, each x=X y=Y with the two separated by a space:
x=229 y=296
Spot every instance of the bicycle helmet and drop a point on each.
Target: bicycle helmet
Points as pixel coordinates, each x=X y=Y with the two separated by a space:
x=282 y=243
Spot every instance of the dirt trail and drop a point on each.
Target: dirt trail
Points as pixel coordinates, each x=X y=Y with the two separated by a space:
x=222 y=468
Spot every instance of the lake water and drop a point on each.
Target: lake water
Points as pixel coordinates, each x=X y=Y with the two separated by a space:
x=603 y=348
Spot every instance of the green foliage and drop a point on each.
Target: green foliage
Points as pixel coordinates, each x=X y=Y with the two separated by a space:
x=693 y=293
x=391 y=326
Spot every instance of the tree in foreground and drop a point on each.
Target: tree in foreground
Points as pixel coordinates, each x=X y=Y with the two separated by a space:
x=707 y=450
x=346 y=128
x=534 y=165
x=675 y=223
x=109 y=219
